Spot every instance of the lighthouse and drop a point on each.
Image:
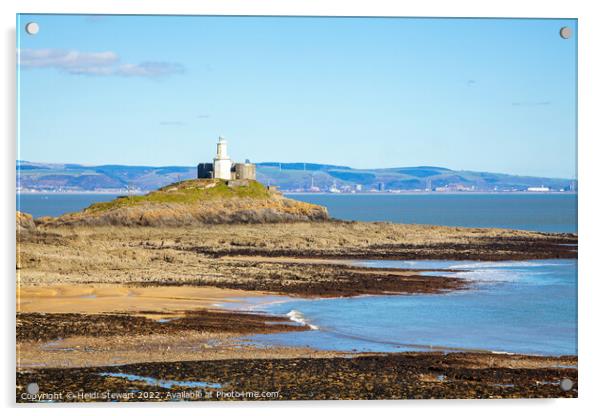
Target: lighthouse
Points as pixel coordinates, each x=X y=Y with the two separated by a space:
x=222 y=165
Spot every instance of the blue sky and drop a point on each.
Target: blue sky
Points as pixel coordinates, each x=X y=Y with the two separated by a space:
x=493 y=95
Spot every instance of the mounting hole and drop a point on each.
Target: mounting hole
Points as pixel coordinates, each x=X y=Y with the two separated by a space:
x=566 y=384
x=566 y=32
x=32 y=28
x=33 y=388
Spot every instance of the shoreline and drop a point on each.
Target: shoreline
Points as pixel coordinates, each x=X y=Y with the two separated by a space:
x=156 y=357
x=434 y=193
x=284 y=192
x=141 y=302
x=150 y=305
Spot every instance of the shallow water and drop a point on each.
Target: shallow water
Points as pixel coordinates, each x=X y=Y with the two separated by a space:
x=514 y=306
x=167 y=384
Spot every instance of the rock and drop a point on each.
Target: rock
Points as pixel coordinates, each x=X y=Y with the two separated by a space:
x=25 y=222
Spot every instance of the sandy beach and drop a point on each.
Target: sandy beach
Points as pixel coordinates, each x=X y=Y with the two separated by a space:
x=164 y=302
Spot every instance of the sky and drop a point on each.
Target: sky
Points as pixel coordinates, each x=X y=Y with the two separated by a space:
x=495 y=95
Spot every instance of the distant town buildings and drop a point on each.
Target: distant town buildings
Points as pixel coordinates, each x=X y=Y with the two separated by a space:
x=333 y=189
x=454 y=187
x=538 y=189
x=223 y=167
x=313 y=187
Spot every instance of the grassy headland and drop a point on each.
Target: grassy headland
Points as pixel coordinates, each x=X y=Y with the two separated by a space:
x=195 y=202
x=186 y=192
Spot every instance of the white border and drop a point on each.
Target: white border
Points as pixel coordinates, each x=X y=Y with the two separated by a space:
x=590 y=30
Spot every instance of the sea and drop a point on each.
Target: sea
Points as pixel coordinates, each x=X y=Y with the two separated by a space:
x=555 y=212
x=525 y=307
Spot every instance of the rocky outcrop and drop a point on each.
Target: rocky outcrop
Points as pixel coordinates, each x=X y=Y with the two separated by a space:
x=25 y=222
x=195 y=202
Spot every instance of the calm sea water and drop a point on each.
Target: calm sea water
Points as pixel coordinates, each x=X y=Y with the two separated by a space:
x=519 y=307
x=40 y=205
x=534 y=212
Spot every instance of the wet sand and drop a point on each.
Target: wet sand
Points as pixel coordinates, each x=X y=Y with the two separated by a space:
x=93 y=299
x=90 y=351
x=65 y=340
x=67 y=326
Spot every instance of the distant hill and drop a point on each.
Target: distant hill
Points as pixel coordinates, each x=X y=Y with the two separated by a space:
x=287 y=176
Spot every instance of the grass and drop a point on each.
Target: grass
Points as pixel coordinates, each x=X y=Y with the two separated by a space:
x=187 y=192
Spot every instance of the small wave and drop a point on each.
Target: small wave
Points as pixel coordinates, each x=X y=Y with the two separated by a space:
x=526 y=272
x=298 y=317
x=493 y=276
x=507 y=264
x=262 y=306
x=483 y=275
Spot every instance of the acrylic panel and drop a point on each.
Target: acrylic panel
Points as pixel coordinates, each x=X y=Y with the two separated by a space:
x=216 y=208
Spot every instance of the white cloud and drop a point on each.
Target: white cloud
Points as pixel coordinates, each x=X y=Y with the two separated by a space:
x=149 y=69
x=93 y=63
x=56 y=58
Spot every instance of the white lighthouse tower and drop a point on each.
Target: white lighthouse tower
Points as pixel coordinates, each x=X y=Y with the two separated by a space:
x=222 y=165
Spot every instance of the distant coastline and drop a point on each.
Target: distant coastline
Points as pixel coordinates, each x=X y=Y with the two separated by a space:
x=287 y=192
x=95 y=192
x=434 y=193
x=297 y=178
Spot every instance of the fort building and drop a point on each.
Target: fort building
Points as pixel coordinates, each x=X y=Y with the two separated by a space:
x=224 y=168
